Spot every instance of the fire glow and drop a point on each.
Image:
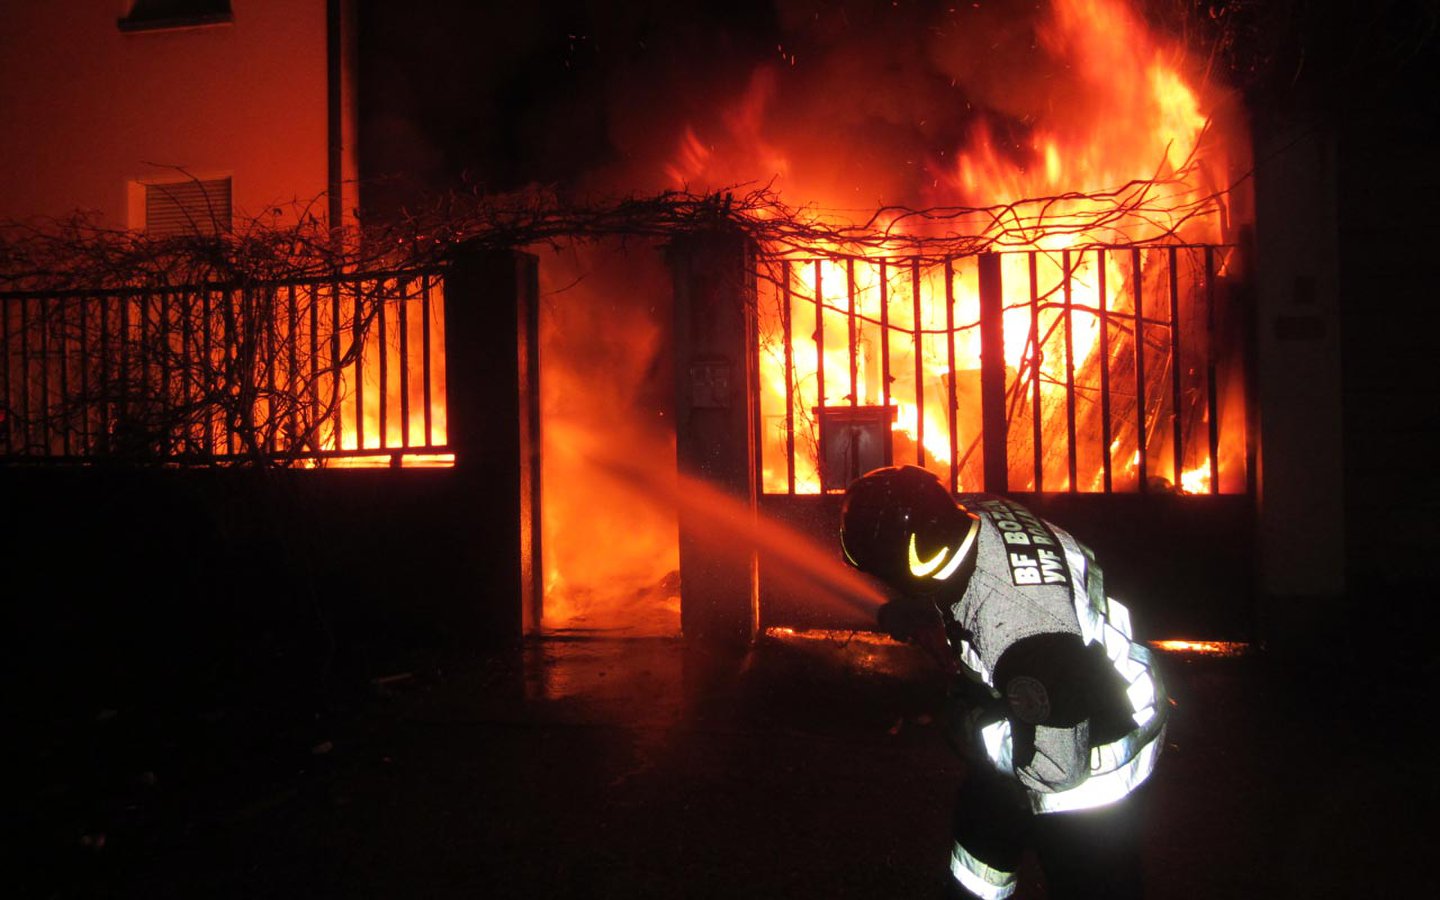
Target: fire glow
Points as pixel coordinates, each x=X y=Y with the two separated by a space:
x=395 y=391
x=1095 y=157
x=1125 y=148
x=1202 y=648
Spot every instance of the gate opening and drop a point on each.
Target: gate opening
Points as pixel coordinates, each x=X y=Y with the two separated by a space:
x=609 y=536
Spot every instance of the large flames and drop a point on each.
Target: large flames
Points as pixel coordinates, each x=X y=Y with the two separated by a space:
x=1091 y=152
x=1099 y=134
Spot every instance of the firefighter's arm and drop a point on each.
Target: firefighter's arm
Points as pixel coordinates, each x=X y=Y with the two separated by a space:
x=915 y=620
x=1045 y=683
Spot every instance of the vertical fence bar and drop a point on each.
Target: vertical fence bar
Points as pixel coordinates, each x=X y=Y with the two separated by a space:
x=230 y=337
x=292 y=338
x=187 y=364
x=207 y=350
x=950 y=357
x=176 y=377
x=1106 y=460
x=122 y=334
x=116 y=386
x=83 y=349
x=162 y=341
x=919 y=364
x=786 y=327
x=211 y=375
x=384 y=389
x=1212 y=395
x=405 y=371
x=7 y=421
x=100 y=362
x=885 y=358
x=47 y=420
x=66 y=401
x=1072 y=467
x=1140 y=398
x=1035 y=355
x=336 y=383
x=102 y=435
x=819 y=358
x=25 y=374
x=62 y=308
x=266 y=302
x=1176 y=425
x=995 y=427
x=850 y=323
x=425 y=356
x=357 y=335
x=314 y=392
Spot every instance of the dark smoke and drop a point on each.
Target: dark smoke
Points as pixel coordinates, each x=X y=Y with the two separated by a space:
x=597 y=96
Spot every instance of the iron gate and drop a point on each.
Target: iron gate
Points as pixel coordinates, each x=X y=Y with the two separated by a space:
x=1109 y=369
x=347 y=369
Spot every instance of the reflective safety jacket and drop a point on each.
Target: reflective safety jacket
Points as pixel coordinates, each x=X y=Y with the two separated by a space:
x=1035 y=613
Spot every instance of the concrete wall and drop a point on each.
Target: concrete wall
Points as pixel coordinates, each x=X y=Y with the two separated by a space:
x=715 y=426
x=88 y=111
x=1389 y=189
x=192 y=585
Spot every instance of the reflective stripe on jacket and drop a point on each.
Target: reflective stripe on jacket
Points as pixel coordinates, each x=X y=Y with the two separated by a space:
x=1006 y=601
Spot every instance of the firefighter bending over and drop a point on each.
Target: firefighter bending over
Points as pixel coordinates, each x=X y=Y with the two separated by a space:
x=1059 y=710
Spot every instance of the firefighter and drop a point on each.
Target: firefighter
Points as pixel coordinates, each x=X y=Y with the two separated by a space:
x=1059 y=711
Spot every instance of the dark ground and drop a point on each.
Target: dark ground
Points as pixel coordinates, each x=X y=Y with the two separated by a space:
x=646 y=768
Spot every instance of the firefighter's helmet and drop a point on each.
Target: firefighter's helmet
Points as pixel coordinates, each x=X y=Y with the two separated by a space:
x=901 y=525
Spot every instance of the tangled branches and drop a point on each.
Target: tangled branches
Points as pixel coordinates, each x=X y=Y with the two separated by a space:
x=242 y=344
x=81 y=253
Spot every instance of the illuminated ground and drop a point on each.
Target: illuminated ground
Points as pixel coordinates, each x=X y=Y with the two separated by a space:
x=642 y=768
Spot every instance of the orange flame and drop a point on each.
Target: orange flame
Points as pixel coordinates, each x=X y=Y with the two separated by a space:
x=1088 y=102
x=1128 y=112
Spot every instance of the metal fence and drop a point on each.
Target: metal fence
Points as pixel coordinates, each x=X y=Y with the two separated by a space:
x=345 y=370
x=1102 y=369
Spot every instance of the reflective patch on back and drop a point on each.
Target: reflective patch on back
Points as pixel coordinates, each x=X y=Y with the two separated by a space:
x=1028 y=700
x=1032 y=552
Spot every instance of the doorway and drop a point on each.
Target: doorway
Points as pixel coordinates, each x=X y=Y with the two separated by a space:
x=609 y=537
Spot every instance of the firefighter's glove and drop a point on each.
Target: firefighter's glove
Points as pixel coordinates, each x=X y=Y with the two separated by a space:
x=973 y=705
x=903 y=619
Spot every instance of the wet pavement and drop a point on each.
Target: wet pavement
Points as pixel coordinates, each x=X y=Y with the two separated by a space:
x=648 y=768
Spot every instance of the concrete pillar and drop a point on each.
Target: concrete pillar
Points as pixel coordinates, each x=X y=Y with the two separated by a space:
x=493 y=421
x=1301 y=537
x=716 y=428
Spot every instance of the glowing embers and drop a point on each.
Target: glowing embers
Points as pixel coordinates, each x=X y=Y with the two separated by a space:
x=863 y=653
x=1202 y=648
x=831 y=635
x=396 y=460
